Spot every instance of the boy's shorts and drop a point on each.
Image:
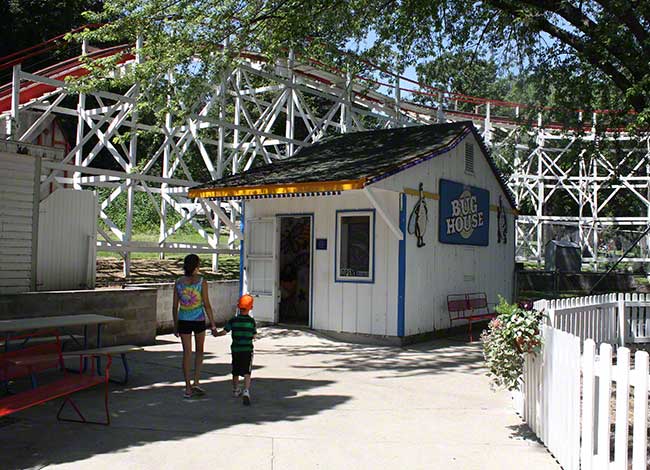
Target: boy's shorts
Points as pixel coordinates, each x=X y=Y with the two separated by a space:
x=242 y=363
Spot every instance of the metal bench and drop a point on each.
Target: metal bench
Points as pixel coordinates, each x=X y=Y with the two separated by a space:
x=471 y=307
x=29 y=361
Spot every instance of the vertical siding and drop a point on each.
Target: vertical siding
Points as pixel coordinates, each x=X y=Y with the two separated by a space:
x=16 y=217
x=347 y=307
x=67 y=238
x=437 y=269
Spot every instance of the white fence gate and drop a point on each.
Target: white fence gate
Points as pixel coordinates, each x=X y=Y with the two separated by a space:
x=599 y=375
x=551 y=390
x=571 y=401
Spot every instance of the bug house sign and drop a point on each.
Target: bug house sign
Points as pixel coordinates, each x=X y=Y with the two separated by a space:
x=464 y=214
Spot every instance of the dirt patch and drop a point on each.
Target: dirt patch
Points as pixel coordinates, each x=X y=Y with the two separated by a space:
x=110 y=271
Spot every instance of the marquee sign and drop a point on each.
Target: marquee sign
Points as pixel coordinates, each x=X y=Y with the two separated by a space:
x=464 y=214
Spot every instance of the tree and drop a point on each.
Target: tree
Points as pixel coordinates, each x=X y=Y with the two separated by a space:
x=594 y=41
x=25 y=23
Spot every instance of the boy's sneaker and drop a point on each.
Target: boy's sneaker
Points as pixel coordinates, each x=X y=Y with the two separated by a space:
x=236 y=392
x=246 y=398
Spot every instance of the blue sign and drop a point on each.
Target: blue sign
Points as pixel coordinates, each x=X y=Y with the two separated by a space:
x=464 y=214
x=321 y=243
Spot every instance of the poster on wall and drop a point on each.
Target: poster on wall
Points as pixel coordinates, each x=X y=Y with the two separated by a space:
x=464 y=214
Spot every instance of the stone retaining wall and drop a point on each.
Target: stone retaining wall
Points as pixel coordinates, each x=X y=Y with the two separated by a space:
x=223 y=298
x=136 y=306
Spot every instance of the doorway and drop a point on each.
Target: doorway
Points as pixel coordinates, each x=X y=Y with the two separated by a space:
x=295 y=266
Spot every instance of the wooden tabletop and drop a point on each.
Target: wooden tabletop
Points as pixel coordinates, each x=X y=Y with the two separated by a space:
x=37 y=323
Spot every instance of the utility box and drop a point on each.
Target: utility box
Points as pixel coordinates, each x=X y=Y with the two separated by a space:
x=562 y=256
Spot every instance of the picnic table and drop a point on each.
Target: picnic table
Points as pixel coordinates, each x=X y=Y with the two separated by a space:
x=8 y=328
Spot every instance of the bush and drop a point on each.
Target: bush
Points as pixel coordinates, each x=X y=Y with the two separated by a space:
x=512 y=334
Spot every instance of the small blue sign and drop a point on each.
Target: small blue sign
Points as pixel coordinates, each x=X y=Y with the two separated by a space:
x=464 y=214
x=321 y=243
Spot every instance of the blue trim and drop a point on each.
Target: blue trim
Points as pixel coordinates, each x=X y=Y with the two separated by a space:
x=311 y=260
x=336 y=248
x=242 y=226
x=401 y=266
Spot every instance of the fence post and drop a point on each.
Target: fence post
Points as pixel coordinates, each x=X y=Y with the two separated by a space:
x=621 y=321
x=622 y=408
x=588 y=386
x=604 y=394
x=640 y=437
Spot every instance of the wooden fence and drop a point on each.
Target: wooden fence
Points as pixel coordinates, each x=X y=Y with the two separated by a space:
x=551 y=395
x=609 y=318
x=590 y=410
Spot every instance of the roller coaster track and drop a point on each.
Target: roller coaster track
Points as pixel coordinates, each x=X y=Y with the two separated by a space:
x=238 y=124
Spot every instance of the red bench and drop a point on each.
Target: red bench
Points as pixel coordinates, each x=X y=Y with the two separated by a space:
x=29 y=361
x=471 y=307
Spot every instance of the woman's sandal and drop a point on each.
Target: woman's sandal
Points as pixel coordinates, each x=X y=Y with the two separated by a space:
x=187 y=395
x=198 y=390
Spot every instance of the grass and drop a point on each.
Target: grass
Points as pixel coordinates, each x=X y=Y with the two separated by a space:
x=149 y=268
x=189 y=237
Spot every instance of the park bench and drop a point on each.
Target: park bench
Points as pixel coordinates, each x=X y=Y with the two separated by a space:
x=471 y=307
x=68 y=339
x=122 y=350
x=48 y=357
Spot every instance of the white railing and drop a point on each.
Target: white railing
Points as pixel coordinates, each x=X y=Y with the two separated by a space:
x=599 y=317
x=571 y=400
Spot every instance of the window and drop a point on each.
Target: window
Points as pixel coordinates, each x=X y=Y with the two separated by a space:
x=355 y=247
x=469 y=158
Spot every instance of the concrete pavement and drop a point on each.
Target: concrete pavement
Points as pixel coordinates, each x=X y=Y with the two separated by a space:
x=317 y=404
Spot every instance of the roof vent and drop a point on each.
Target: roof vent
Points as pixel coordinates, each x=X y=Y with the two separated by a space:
x=469 y=158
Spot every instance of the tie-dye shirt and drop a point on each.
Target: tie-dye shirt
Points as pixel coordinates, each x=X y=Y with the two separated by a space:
x=190 y=300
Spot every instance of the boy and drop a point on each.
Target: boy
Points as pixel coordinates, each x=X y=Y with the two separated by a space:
x=243 y=332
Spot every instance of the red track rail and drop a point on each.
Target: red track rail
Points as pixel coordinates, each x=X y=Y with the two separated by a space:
x=74 y=68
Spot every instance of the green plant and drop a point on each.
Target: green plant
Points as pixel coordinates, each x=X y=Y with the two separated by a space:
x=512 y=334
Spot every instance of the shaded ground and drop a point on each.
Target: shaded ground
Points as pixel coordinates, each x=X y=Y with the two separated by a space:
x=317 y=403
x=147 y=270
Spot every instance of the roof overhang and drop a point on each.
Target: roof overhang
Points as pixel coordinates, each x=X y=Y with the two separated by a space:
x=278 y=190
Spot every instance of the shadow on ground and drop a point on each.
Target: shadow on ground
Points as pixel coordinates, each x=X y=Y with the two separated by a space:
x=151 y=408
x=453 y=354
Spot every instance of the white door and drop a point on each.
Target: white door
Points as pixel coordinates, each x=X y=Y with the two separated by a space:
x=261 y=266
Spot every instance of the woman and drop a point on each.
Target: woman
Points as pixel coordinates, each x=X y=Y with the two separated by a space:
x=191 y=303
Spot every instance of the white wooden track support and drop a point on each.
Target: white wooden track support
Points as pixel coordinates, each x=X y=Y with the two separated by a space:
x=263 y=111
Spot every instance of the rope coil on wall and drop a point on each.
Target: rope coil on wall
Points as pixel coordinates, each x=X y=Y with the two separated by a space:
x=419 y=218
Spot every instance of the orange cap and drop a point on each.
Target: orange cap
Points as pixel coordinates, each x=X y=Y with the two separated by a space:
x=245 y=302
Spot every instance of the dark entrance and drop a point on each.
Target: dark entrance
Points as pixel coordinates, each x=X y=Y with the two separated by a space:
x=295 y=269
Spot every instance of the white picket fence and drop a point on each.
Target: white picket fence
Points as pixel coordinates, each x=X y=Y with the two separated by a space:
x=568 y=392
x=551 y=395
x=609 y=318
x=598 y=375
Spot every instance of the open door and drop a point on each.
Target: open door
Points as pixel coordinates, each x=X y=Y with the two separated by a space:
x=261 y=266
x=295 y=268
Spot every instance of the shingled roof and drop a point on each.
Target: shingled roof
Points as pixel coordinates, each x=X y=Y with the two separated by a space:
x=351 y=161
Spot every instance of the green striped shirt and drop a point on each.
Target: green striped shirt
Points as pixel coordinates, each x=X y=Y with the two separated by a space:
x=243 y=328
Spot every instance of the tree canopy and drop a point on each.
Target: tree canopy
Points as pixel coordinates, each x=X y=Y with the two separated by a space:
x=592 y=52
x=24 y=23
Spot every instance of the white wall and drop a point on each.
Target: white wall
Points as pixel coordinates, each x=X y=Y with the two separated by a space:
x=16 y=218
x=67 y=240
x=346 y=307
x=437 y=269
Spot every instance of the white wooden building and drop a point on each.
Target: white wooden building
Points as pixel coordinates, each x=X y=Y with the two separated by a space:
x=47 y=237
x=330 y=234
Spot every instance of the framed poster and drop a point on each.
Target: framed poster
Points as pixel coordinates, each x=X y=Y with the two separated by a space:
x=464 y=214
